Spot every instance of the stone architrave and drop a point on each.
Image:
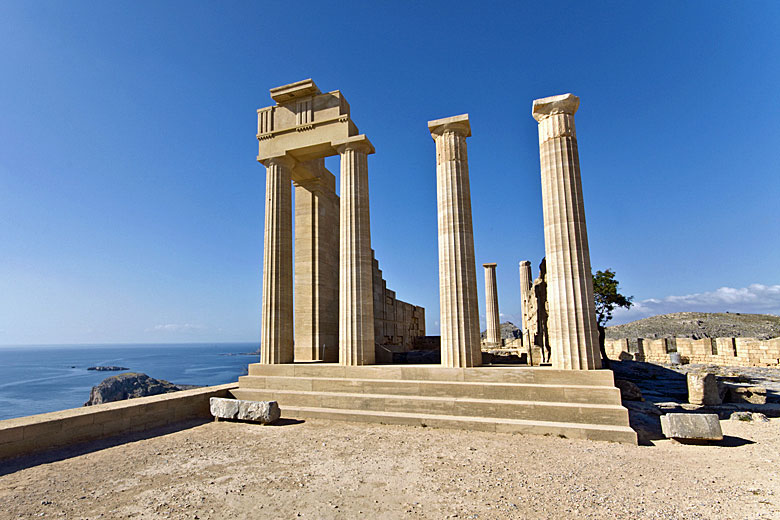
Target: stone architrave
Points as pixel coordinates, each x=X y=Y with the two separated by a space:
x=356 y=290
x=572 y=316
x=276 y=343
x=493 y=335
x=460 y=342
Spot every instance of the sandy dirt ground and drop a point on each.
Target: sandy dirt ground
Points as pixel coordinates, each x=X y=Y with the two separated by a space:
x=320 y=469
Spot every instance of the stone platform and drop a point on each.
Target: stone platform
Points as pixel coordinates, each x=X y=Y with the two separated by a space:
x=581 y=404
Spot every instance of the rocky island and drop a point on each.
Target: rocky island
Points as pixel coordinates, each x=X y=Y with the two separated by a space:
x=129 y=386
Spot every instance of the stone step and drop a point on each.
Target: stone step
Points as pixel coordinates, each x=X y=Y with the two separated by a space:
x=487 y=374
x=596 y=432
x=502 y=391
x=581 y=413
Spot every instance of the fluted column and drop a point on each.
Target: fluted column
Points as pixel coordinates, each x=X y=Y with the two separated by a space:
x=460 y=345
x=572 y=317
x=525 y=302
x=493 y=336
x=525 y=290
x=276 y=343
x=356 y=290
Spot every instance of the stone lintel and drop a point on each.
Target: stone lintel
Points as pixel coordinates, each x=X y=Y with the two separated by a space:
x=299 y=89
x=457 y=123
x=358 y=142
x=489 y=265
x=562 y=104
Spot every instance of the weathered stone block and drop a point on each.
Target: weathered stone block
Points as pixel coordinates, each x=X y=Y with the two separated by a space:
x=749 y=417
x=746 y=394
x=703 y=389
x=692 y=426
x=224 y=408
x=264 y=412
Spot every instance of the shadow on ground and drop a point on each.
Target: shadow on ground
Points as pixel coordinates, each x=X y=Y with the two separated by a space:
x=27 y=461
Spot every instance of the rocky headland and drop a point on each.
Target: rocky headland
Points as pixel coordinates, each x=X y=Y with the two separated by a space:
x=129 y=386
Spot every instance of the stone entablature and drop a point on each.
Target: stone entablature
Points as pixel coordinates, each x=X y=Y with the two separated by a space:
x=745 y=352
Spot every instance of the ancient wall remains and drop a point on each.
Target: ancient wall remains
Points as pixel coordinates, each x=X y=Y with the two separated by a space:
x=396 y=323
x=744 y=352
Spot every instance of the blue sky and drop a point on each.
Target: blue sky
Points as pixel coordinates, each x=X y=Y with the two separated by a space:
x=131 y=204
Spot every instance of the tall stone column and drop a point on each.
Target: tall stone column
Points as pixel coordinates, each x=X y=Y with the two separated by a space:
x=525 y=302
x=572 y=316
x=460 y=345
x=276 y=343
x=525 y=290
x=316 y=267
x=493 y=336
x=356 y=291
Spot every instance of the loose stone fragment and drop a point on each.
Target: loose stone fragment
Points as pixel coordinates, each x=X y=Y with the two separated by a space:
x=749 y=417
x=264 y=412
x=746 y=394
x=703 y=389
x=693 y=426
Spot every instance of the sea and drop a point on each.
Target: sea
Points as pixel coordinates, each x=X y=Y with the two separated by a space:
x=46 y=378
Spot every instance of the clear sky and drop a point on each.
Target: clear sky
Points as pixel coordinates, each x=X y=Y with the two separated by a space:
x=131 y=203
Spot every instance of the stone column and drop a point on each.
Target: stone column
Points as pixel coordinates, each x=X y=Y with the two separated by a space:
x=460 y=345
x=493 y=336
x=525 y=295
x=356 y=292
x=316 y=267
x=571 y=316
x=276 y=343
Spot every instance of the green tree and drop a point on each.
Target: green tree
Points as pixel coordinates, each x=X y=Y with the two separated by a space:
x=605 y=292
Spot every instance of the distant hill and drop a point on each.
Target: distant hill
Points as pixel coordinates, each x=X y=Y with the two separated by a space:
x=508 y=331
x=698 y=325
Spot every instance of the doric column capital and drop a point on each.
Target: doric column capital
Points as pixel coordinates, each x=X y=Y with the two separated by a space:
x=359 y=143
x=562 y=104
x=489 y=266
x=457 y=124
x=280 y=160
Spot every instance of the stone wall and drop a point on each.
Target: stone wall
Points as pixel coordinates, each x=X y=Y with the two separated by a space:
x=396 y=323
x=745 y=352
x=37 y=433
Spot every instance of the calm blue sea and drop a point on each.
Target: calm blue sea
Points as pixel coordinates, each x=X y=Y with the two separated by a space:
x=38 y=379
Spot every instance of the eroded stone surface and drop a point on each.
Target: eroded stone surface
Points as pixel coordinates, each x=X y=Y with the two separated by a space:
x=264 y=412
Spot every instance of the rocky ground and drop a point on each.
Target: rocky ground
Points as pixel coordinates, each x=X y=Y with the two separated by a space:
x=320 y=469
x=699 y=325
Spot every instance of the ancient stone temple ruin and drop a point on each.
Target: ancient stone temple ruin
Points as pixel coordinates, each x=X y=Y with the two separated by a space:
x=319 y=357
x=343 y=308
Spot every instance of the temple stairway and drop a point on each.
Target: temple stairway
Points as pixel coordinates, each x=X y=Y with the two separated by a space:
x=575 y=404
